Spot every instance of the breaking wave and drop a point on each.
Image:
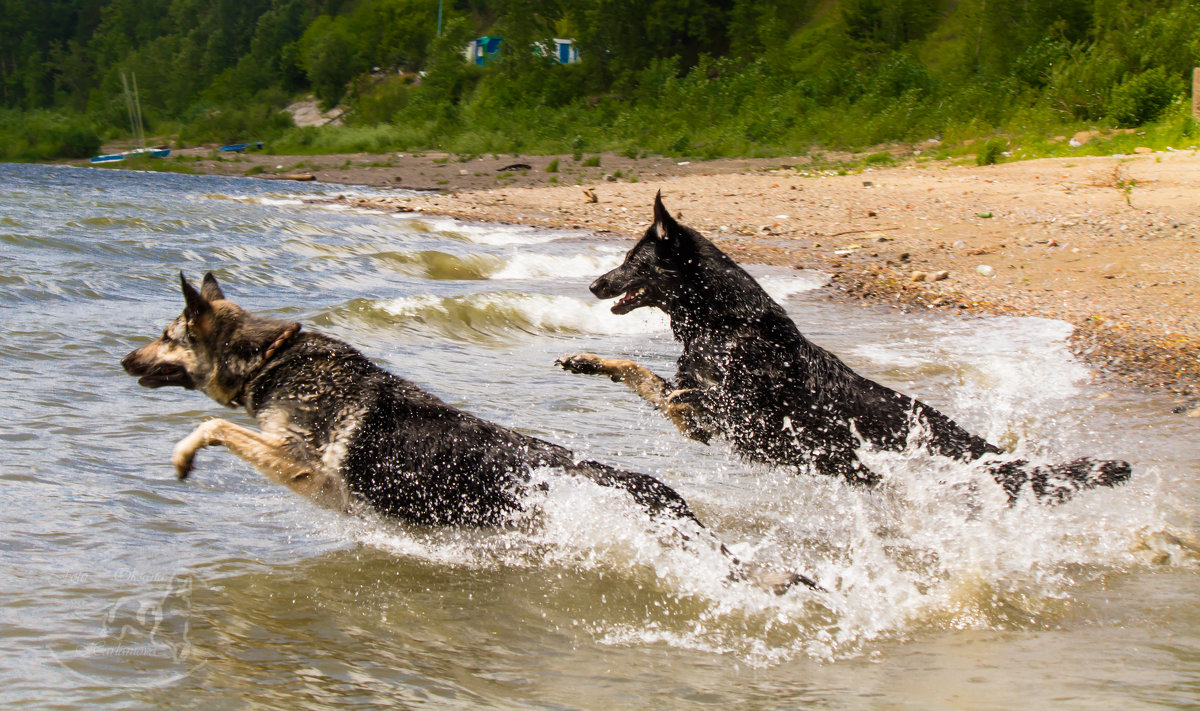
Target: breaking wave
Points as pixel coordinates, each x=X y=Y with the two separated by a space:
x=497 y=315
x=520 y=266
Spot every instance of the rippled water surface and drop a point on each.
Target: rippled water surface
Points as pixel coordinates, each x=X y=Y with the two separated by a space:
x=121 y=587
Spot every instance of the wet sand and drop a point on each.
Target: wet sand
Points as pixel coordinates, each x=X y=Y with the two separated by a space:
x=1109 y=244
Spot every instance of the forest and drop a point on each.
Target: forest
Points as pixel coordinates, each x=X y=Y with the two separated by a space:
x=701 y=78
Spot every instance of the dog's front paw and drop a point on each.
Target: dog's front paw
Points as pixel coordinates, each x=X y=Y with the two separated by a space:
x=583 y=364
x=184 y=455
x=183 y=459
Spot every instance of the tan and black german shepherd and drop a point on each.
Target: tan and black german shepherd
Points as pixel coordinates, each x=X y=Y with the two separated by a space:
x=341 y=431
x=747 y=374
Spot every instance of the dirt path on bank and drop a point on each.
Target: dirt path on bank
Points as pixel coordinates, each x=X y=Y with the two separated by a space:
x=1109 y=244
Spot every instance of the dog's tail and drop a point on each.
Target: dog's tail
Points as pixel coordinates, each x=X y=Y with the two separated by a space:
x=1056 y=483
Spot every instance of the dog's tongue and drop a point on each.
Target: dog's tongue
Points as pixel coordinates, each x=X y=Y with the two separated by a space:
x=623 y=303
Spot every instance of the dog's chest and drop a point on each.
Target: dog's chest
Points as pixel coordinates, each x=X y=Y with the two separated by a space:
x=324 y=440
x=707 y=361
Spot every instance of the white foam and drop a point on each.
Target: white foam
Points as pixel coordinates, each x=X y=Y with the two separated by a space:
x=487 y=234
x=275 y=200
x=555 y=314
x=1005 y=369
x=546 y=266
x=288 y=201
x=783 y=287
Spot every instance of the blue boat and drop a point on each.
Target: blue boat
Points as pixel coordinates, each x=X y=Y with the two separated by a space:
x=239 y=147
x=114 y=157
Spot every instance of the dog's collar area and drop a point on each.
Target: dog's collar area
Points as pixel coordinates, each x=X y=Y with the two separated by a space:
x=292 y=329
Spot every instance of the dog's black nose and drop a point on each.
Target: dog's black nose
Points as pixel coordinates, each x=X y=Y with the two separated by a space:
x=130 y=363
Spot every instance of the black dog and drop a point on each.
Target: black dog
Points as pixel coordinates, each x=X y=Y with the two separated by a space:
x=343 y=432
x=748 y=375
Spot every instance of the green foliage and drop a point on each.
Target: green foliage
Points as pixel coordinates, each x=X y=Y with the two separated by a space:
x=888 y=22
x=899 y=73
x=680 y=77
x=379 y=100
x=1143 y=97
x=327 y=54
x=1035 y=65
x=315 y=140
x=41 y=135
x=991 y=152
x=880 y=158
x=380 y=36
x=254 y=121
x=620 y=37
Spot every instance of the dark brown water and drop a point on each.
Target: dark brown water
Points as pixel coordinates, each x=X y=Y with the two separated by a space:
x=121 y=587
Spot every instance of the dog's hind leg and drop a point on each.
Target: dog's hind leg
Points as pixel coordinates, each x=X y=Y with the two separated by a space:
x=648 y=386
x=664 y=503
x=269 y=454
x=651 y=494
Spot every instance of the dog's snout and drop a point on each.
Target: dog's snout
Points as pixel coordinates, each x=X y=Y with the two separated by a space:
x=609 y=284
x=135 y=362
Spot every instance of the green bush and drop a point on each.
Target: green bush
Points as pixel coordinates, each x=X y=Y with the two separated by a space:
x=320 y=140
x=1141 y=98
x=991 y=152
x=880 y=158
x=45 y=135
x=236 y=124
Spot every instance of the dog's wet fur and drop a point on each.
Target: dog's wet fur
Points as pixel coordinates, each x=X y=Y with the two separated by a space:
x=746 y=374
x=346 y=434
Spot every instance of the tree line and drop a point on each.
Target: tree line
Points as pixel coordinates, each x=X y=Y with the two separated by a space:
x=705 y=77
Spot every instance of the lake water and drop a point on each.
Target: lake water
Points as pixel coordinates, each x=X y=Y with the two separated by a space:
x=123 y=588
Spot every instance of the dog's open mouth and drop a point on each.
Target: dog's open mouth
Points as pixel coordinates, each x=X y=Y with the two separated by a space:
x=630 y=301
x=165 y=375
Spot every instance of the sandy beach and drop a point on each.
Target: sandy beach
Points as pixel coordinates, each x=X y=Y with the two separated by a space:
x=1109 y=244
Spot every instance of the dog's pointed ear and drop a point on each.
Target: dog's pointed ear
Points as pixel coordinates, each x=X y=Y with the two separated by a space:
x=665 y=226
x=197 y=305
x=209 y=288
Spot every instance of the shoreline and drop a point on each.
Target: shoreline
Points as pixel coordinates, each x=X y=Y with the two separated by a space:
x=1109 y=244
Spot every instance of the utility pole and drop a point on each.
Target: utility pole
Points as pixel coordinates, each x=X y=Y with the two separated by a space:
x=439 y=18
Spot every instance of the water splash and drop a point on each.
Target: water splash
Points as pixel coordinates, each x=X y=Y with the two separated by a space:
x=935 y=548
